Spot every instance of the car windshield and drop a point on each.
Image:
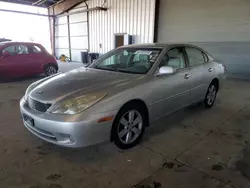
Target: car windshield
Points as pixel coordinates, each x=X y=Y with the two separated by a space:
x=129 y=60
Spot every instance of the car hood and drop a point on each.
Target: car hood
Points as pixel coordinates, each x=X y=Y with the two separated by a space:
x=82 y=81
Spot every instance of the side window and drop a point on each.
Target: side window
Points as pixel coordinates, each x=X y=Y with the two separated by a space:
x=174 y=58
x=10 y=49
x=21 y=49
x=195 y=56
x=36 y=49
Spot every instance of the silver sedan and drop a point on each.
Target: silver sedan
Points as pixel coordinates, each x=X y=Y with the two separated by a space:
x=120 y=94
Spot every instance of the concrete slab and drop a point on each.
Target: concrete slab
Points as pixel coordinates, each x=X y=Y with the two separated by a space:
x=174 y=139
x=218 y=160
x=181 y=176
x=232 y=97
x=100 y=166
x=218 y=153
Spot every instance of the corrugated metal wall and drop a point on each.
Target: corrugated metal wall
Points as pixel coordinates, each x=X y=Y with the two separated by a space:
x=221 y=27
x=133 y=17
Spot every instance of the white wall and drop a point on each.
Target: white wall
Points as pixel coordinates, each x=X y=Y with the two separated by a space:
x=203 y=20
x=221 y=27
x=133 y=17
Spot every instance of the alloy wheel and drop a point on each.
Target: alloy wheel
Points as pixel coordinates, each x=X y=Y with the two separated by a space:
x=211 y=95
x=130 y=126
x=50 y=70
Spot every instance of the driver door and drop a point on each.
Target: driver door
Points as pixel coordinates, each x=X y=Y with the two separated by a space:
x=8 y=64
x=171 y=92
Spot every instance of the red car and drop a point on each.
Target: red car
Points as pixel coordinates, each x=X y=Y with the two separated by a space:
x=19 y=59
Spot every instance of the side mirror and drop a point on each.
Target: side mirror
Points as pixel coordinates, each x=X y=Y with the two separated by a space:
x=166 y=70
x=6 y=54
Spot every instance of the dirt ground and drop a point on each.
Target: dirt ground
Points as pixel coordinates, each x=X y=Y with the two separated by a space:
x=193 y=148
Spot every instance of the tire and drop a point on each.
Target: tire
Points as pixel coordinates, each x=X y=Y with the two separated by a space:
x=126 y=132
x=211 y=95
x=50 y=70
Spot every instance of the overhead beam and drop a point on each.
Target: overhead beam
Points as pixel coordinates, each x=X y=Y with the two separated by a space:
x=81 y=11
x=63 y=6
x=46 y=3
x=71 y=7
x=38 y=2
x=29 y=13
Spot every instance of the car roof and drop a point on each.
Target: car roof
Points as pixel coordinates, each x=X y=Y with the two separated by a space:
x=157 y=45
x=12 y=42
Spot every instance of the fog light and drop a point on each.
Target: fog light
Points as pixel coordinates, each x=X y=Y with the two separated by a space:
x=71 y=138
x=62 y=137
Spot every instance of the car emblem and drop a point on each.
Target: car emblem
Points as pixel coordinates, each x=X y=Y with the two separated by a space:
x=39 y=92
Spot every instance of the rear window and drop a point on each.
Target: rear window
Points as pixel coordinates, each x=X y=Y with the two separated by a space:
x=36 y=49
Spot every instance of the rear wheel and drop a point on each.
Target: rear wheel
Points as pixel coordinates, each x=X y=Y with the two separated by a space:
x=129 y=126
x=210 y=95
x=50 y=70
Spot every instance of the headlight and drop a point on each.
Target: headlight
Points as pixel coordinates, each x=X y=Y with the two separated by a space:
x=78 y=104
x=26 y=95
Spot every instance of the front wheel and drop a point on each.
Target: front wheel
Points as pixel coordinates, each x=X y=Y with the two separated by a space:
x=129 y=126
x=50 y=70
x=210 y=95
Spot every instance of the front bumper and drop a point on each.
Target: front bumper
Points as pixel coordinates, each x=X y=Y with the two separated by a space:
x=67 y=130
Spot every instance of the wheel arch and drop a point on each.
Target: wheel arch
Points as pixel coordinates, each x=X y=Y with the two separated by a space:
x=52 y=64
x=132 y=102
x=216 y=82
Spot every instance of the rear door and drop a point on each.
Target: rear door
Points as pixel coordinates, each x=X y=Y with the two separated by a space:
x=201 y=71
x=37 y=58
x=24 y=60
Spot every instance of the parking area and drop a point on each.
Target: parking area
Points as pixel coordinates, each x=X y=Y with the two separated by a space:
x=194 y=147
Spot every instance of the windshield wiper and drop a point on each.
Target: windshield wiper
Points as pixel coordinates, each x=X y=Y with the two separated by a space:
x=108 y=69
x=114 y=69
x=130 y=72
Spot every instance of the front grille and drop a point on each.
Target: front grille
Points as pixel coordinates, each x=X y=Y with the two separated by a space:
x=36 y=105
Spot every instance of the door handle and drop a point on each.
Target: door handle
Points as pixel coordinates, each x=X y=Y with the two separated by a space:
x=187 y=76
x=210 y=70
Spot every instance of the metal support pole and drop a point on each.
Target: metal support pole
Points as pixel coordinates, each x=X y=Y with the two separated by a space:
x=87 y=6
x=54 y=33
x=69 y=39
